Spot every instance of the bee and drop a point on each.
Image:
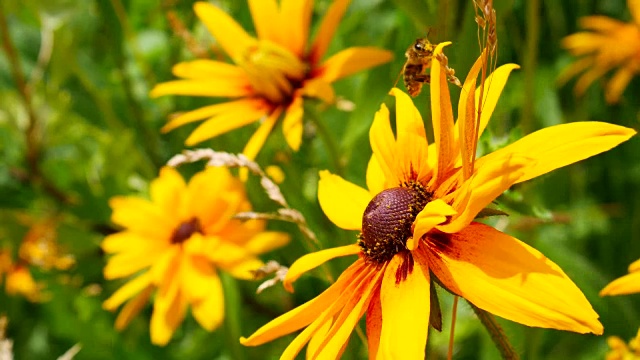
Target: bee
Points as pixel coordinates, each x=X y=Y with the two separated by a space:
x=419 y=57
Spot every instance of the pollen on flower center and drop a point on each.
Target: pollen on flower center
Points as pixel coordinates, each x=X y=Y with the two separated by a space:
x=185 y=230
x=387 y=220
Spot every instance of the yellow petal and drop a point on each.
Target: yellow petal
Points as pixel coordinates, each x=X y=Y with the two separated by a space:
x=142 y=216
x=489 y=182
x=237 y=106
x=246 y=269
x=209 y=311
x=634 y=8
x=618 y=83
x=466 y=122
x=132 y=308
x=374 y=325
x=263 y=13
x=316 y=339
x=574 y=69
x=127 y=263
x=319 y=88
x=167 y=189
x=600 y=23
x=405 y=312
x=266 y=241
x=223 y=123
x=313 y=260
x=306 y=313
x=257 y=140
x=213 y=196
x=227 y=32
x=411 y=145
x=295 y=17
x=198 y=278
x=221 y=87
x=169 y=309
x=208 y=69
x=127 y=241
x=343 y=202
x=628 y=284
x=292 y=125
x=375 y=176
x=508 y=278
x=326 y=30
x=127 y=291
x=433 y=214
x=383 y=144
x=351 y=61
x=561 y=145
x=588 y=78
x=442 y=115
x=635 y=266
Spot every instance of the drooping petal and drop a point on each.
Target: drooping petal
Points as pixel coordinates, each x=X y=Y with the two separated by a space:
x=198 y=277
x=292 y=125
x=489 y=182
x=589 y=77
x=266 y=241
x=227 y=32
x=374 y=325
x=257 y=140
x=351 y=61
x=132 y=308
x=295 y=18
x=317 y=338
x=442 y=115
x=169 y=309
x=560 y=145
x=313 y=260
x=405 y=312
x=343 y=202
x=209 y=311
x=600 y=23
x=221 y=87
x=434 y=213
x=326 y=30
x=264 y=12
x=508 y=278
x=628 y=284
x=383 y=144
x=127 y=291
x=210 y=111
x=223 y=123
x=618 y=83
x=306 y=313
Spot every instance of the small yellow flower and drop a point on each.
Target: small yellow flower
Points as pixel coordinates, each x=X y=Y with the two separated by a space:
x=271 y=74
x=620 y=350
x=628 y=284
x=40 y=248
x=417 y=226
x=18 y=279
x=608 y=44
x=175 y=244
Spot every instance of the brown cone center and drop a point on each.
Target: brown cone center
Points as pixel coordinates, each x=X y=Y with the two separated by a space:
x=185 y=230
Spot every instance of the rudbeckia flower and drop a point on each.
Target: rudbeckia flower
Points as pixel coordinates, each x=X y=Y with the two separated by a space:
x=416 y=223
x=608 y=44
x=175 y=244
x=18 y=279
x=628 y=284
x=620 y=350
x=271 y=74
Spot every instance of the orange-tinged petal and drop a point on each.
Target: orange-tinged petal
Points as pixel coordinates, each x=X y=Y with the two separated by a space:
x=635 y=266
x=506 y=277
x=560 y=145
x=227 y=32
x=319 y=335
x=600 y=23
x=224 y=123
x=628 y=284
x=618 y=83
x=351 y=61
x=166 y=191
x=245 y=269
x=292 y=125
x=634 y=8
x=319 y=88
x=383 y=144
x=202 y=113
x=574 y=69
x=127 y=291
x=313 y=260
x=374 y=325
x=295 y=18
x=257 y=140
x=434 y=213
x=209 y=311
x=213 y=207
x=306 y=313
x=343 y=202
x=442 y=115
x=494 y=84
x=375 y=176
x=206 y=68
x=589 y=77
x=221 y=87
x=326 y=30
x=320 y=326
x=411 y=145
x=489 y=182
x=132 y=308
x=264 y=12
x=405 y=312
x=266 y=241
x=466 y=122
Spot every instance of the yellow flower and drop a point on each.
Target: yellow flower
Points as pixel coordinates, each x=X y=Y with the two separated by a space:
x=610 y=43
x=620 y=350
x=40 y=248
x=272 y=73
x=175 y=244
x=628 y=284
x=18 y=279
x=416 y=223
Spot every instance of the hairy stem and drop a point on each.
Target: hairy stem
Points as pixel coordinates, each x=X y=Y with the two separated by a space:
x=497 y=334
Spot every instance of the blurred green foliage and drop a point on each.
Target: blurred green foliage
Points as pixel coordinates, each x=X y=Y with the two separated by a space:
x=87 y=131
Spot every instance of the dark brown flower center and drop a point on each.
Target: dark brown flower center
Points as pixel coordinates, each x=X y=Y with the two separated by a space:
x=185 y=230
x=387 y=221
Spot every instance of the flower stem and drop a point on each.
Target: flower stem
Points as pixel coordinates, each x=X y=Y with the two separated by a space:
x=497 y=334
x=454 y=313
x=330 y=142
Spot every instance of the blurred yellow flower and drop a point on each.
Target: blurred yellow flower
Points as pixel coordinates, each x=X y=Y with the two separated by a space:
x=272 y=73
x=628 y=284
x=620 y=350
x=18 y=279
x=417 y=227
x=40 y=248
x=175 y=244
x=608 y=44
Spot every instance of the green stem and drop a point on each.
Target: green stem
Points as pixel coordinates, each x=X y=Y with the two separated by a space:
x=330 y=142
x=530 y=63
x=497 y=334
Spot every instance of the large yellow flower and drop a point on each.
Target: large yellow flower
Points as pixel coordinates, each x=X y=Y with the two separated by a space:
x=416 y=223
x=610 y=43
x=628 y=284
x=272 y=73
x=175 y=244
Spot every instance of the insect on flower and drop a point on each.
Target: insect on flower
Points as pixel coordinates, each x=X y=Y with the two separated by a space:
x=419 y=56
